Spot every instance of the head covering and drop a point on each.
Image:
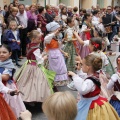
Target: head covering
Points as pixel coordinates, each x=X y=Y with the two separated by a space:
x=52 y=26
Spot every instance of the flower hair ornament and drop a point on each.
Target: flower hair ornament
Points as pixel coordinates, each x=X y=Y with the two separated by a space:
x=95 y=45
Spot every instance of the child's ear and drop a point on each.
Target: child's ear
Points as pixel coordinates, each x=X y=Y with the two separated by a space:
x=10 y=53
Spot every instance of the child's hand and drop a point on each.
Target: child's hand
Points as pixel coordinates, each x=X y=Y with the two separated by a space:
x=75 y=33
x=13 y=40
x=45 y=57
x=66 y=54
x=26 y=115
x=18 y=42
x=12 y=93
x=70 y=73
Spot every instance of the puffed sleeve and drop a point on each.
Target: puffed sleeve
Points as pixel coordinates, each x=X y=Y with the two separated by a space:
x=69 y=34
x=3 y=89
x=83 y=86
x=86 y=43
x=84 y=27
x=38 y=56
x=113 y=79
x=48 y=38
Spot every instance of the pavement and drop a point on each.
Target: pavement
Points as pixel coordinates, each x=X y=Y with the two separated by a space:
x=36 y=109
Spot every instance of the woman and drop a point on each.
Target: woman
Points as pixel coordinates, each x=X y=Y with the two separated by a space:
x=64 y=13
x=32 y=18
x=13 y=16
x=48 y=14
x=41 y=20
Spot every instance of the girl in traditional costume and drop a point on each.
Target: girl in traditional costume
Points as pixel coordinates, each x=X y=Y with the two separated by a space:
x=95 y=46
x=91 y=106
x=5 y=111
x=114 y=83
x=7 y=70
x=33 y=79
x=85 y=34
x=70 y=46
x=55 y=56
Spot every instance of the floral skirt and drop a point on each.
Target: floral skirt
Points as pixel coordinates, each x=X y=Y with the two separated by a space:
x=15 y=102
x=35 y=82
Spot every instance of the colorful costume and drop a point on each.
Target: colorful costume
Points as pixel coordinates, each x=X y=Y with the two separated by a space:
x=15 y=102
x=70 y=48
x=5 y=111
x=84 y=50
x=56 y=60
x=92 y=106
x=115 y=99
x=33 y=79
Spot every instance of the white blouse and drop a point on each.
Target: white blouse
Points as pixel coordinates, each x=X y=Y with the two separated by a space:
x=112 y=81
x=83 y=86
x=3 y=89
x=38 y=56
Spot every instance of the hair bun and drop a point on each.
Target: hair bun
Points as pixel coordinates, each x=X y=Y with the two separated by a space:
x=97 y=63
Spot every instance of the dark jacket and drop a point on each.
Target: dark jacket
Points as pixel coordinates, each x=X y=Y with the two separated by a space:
x=10 y=36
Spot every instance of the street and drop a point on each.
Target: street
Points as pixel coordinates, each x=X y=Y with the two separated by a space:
x=36 y=110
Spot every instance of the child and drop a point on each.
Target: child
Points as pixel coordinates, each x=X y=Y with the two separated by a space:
x=14 y=41
x=33 y=79
x=95 y=46
x=115 y=83
x=60 y=106
x=6 y=70
x=92 y=106
x=5 y=111
x=55 y=57
x=70 y=46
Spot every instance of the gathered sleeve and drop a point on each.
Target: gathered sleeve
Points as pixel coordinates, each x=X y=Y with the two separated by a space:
x=3 y=89
x=48 y=38
x=112 y=81
x=83 y=86
x=84 y=27
x=38 y=56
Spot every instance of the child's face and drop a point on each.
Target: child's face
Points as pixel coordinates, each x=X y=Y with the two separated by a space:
x=91 y=47
x=85 y=68
x=4 y=54
x=72 y=23
x=37 y=39
x=13 y=26
x=56 y=18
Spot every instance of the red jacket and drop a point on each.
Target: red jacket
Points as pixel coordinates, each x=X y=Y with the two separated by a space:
x=41 y=19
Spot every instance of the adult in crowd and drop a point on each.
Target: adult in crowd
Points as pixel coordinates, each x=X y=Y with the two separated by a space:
x=13 y=16
x=96 y=18
x=48 y=14
x=5 y=10
x=27 y=8
x=109 y=23
x=16 y=3
x=8 y=12
x=64 y=14
x=32 y=18
x=69 y=11
x=22 y=15
x=41 y=19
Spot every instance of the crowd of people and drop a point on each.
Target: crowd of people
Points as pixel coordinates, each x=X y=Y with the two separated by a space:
x=65 y=47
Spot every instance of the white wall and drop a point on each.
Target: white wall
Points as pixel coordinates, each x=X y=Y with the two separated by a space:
x=94 y=3
x=1 y=4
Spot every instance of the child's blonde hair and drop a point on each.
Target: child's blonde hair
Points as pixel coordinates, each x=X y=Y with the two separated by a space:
x=13 y=22
x=60 y=106
x=33 y=34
